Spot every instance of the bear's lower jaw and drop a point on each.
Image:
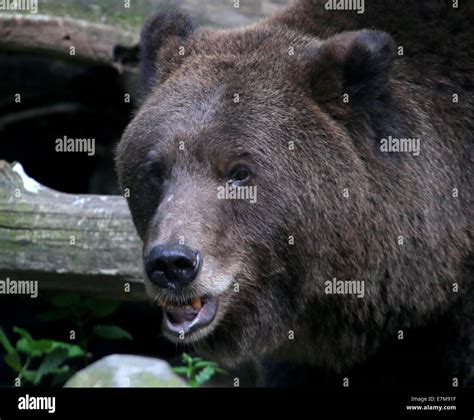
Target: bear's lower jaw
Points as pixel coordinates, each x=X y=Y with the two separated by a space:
x=187 y=322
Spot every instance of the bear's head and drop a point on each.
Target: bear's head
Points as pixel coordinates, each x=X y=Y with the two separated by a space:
x=235 y=168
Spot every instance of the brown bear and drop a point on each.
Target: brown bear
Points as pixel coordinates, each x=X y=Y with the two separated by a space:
x=303 y=189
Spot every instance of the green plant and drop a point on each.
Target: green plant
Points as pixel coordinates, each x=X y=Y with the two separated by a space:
x=197 y=370
x=51 y=356
x=84 y=313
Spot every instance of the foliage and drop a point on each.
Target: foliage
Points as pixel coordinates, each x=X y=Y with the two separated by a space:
x=84 y=311
x=49 y=356
x=197 y=371
x=52 y=354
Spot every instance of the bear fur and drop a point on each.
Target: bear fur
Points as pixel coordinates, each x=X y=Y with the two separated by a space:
x=303 y=99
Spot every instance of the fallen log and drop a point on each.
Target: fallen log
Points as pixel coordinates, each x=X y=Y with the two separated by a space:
x=68 y=38
x=67 y=242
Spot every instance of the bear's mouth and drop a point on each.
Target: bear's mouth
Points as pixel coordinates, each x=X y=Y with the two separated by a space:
x=189 y=316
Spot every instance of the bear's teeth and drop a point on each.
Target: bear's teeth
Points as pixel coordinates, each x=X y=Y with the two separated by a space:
x=196 y=303
x=163 y=303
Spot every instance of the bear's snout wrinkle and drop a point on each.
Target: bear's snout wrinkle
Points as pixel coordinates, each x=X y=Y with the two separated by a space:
x=172 y=266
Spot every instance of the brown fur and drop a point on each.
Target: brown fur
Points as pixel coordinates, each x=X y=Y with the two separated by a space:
x=298 y=98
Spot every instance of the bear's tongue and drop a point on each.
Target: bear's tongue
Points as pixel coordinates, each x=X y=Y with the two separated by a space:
x=190 y=316
x=183 y=313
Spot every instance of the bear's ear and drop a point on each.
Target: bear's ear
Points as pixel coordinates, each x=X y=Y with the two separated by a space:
x=160 y=40
x=354 y=63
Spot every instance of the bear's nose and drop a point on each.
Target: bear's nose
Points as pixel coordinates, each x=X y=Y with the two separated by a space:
x=172 y=266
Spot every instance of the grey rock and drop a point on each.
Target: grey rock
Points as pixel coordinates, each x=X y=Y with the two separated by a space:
x=123 y=371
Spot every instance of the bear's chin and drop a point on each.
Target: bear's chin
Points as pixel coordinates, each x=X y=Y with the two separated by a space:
x=223 y=339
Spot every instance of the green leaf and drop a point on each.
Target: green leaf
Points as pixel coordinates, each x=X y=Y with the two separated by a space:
x=50 y=363
x=7 y=345
x=22 y=332
x=73 y=350
x=204 y=376
x=24 y=345
x=187 y=359
x=37 y=348
x=102 y=308
x=28 y=375
x=111 y=332
x=181 y=369
x=13 y=360
x=204 y=363
x=34 y=348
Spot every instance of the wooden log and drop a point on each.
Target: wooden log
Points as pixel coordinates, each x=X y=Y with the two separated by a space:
x=54 y=36
x=67 y=242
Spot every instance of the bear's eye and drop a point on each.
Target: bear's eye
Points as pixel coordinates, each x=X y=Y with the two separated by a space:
x=239 y=175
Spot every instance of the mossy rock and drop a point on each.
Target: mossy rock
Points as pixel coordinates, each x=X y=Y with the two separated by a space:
x=126 y=371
